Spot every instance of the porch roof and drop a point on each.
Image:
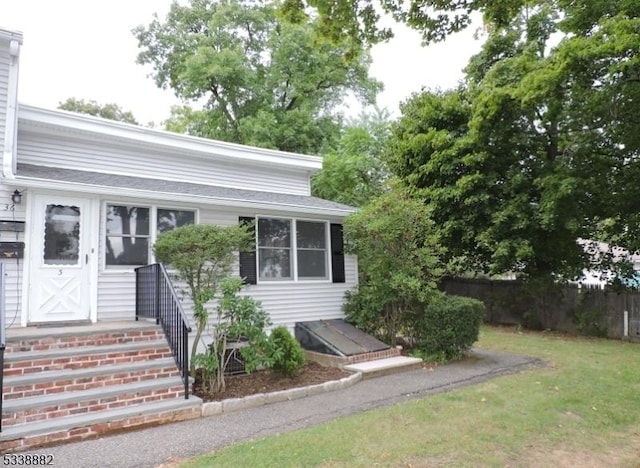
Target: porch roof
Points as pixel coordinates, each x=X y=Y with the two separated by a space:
x=71 y=180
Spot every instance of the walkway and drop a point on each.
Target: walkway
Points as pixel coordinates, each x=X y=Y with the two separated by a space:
x=158 y=445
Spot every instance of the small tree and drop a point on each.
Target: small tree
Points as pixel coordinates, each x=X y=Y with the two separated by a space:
x=398 y=260
x=203 y=256
x=237 y=318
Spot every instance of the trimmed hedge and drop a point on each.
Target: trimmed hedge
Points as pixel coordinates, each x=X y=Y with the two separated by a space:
x=448 y=326
x=288 y=355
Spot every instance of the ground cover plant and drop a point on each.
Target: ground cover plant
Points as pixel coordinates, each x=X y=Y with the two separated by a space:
x=582 y=409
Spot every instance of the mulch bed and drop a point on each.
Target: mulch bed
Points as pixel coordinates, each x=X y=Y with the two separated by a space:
x=265 y=381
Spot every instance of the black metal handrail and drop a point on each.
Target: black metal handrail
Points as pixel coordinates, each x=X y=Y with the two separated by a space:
x=157 y=299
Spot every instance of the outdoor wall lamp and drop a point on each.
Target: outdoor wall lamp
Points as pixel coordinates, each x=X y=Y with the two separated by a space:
x=16 y=198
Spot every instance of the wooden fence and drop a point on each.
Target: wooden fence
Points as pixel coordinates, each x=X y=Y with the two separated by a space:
x=570 y=308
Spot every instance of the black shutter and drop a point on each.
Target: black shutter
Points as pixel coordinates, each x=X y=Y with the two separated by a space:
x=337 y=253
x=248 y=259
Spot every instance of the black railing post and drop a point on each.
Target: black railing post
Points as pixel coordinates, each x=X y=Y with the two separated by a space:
x=185 y=360
x=157 y=283
x=138 y=292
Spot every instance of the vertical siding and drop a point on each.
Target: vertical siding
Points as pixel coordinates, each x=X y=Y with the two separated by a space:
x=4 y=90
x=71 y=152
x=14 y=268
x=286 y=303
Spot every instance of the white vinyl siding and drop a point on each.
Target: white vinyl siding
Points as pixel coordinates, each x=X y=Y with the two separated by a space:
x=14 y=268
x=67 y=152
x=4 y=91
x=286 y=303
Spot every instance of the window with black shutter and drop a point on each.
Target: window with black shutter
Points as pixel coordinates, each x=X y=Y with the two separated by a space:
x=337 y=253
x=290 y=249
x=248 y=259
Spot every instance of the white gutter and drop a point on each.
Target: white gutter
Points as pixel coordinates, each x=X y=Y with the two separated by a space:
x=10 y=129
x=78 y=187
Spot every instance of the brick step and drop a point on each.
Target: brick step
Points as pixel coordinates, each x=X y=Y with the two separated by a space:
x=88 y=425
x=69 y=380
x=47 y=407
x=24 y=362
x=79 y=339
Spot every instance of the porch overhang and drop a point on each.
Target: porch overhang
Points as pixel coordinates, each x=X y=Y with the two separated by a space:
x=94 y=183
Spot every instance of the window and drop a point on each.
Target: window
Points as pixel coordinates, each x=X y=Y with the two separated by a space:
x=129 y=236
x=166 y=220
x=311 y=249
x=127 y=230
x=282 y=256
x=62 y=235
x=274 y=249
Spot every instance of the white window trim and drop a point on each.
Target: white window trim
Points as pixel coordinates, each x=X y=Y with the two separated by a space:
x=153 y=234
x=294 y=252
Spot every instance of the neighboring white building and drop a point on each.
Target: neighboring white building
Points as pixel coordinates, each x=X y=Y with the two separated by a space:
x=600 y=278
x=92 y=195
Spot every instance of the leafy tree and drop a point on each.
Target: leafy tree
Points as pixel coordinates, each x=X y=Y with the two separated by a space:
x=264 y=77
x=203 y=256
x=353 y=173
x=237 y=318
x=435 y=19
x=538 y=148
x=106 y=111
x=398 y=259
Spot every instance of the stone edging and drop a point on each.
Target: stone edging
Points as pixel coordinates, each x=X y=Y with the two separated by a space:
x=231 y=405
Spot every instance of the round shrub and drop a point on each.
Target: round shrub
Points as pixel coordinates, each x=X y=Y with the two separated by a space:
x=288 y=355
x=448 y=326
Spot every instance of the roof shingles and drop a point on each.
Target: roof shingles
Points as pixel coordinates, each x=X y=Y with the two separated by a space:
x=97 y=179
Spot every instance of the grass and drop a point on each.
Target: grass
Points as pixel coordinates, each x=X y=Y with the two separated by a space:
x=581 y=410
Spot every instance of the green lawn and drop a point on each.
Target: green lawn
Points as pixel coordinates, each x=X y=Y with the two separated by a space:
x=582 y=410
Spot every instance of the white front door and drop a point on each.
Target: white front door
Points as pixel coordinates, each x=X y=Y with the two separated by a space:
x=59 y=259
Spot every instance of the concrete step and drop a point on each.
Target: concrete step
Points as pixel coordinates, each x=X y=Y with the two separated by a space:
x=92 y=424
x=67 y=380
x=31 y=409
x=386 y=366
x=23 y=362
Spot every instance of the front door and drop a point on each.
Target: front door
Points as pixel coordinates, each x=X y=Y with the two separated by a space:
x=59 y=260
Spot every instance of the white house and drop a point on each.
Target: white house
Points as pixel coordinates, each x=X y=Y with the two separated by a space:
x=87 y=197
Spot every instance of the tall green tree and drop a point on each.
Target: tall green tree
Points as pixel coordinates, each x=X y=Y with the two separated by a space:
x=354 y=173
x=252 y=73
x=360 y=20
x=538 y=148
x=109 y=111
x=398 y=261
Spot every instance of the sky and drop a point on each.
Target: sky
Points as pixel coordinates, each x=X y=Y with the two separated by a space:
x=85 y=49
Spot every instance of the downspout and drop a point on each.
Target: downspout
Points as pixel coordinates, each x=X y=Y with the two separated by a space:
x=10 y=129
